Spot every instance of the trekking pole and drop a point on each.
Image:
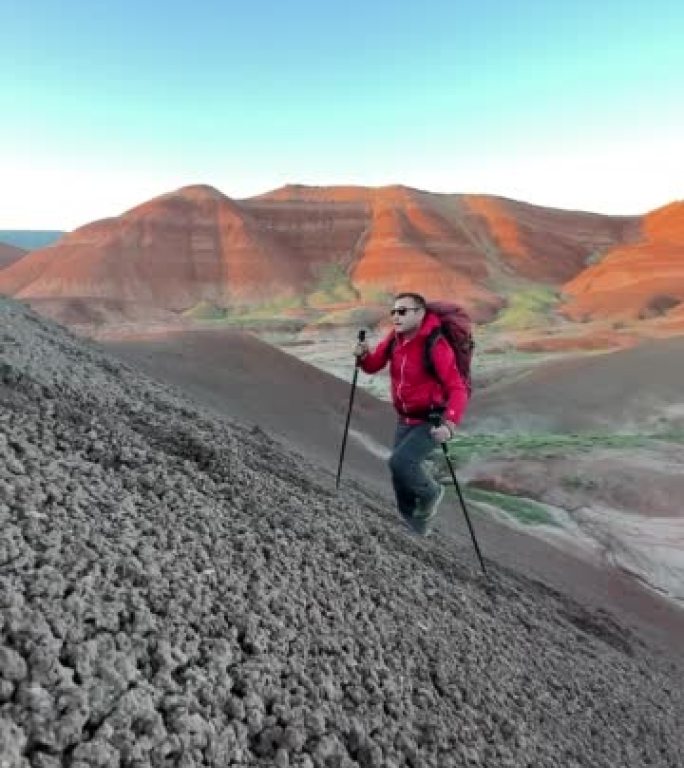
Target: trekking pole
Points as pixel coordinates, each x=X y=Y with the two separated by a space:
x=436 y=420
x=362 y=337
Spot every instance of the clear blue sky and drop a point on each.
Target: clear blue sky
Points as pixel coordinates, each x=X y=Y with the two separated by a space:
x=575 y=104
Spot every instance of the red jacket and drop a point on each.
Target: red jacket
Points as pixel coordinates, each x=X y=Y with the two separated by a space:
x=414 y=390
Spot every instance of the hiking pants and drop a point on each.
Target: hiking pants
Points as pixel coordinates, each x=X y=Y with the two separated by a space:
x=412 y=484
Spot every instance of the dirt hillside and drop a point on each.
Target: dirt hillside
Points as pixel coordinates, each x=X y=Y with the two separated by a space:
x=179 y=590
x=618 y=390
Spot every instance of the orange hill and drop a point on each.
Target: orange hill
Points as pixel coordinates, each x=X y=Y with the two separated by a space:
x=197 y=244
x=168 y=253
x=637 y=280
x=397 y=238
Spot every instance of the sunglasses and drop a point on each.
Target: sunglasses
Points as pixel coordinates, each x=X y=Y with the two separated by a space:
x=403 y=310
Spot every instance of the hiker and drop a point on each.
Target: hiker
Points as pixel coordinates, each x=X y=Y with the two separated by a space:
x=415 y=394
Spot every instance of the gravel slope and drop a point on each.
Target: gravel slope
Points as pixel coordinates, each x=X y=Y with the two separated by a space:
x=181 y=592
x=237 y=376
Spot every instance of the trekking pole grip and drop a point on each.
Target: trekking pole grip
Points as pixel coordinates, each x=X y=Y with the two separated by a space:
x=361 y=337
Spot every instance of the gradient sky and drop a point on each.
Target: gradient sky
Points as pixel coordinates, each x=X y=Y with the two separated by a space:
x=576 y=104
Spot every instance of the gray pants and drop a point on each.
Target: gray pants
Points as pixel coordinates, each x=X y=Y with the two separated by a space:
x=412 y=484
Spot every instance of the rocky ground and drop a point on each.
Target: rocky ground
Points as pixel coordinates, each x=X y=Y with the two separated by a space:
x=181 y=591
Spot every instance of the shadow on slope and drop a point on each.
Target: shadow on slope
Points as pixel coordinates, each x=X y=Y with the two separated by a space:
x=246 y=379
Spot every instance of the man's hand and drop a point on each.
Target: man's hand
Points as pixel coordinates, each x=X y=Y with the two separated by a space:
x=361 y=349
x=443 y=432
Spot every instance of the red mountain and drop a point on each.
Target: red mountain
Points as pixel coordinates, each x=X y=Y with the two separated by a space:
x=635 y=280
x=197 y=244
x=168 y=253
x=396 y=238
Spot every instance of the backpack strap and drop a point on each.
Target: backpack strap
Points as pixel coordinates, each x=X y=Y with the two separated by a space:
x=430 y=342
x=390 y=347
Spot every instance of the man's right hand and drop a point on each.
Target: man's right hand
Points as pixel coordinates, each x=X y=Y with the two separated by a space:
x=361 y=349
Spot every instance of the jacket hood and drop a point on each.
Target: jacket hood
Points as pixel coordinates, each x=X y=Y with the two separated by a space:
x=430 y=322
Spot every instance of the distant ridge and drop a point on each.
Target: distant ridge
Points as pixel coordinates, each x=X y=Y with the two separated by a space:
x=302 y=250
x=30 y=239
x=9 y=254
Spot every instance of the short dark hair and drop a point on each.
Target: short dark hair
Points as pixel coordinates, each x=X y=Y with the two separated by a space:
x=418 y=300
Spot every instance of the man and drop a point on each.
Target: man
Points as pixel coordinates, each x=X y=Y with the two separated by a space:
x=415 y=393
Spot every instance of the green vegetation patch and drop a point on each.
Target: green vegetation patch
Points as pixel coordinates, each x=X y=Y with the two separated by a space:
x=271 y=309
x=545 y=445
x=595 y=257
x=362 y=317
x=528 y=308
x=523 y=510
x=332 y=285
x=669 y=436
x=237 y=315
x=205 y=310
x=378 y=295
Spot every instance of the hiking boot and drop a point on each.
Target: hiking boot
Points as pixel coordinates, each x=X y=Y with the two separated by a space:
x=419 y=527
x=408 y=520
x=425 y=513
x=422 y=528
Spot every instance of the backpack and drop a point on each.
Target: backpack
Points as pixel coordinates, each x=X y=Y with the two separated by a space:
x=456 y=328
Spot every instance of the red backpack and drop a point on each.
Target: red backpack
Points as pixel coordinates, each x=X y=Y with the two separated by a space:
x=456 y=328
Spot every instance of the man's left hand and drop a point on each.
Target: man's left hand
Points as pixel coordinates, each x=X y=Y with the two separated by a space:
x=441 y=434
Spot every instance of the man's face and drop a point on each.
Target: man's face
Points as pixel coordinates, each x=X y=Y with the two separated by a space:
x=406 y=315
